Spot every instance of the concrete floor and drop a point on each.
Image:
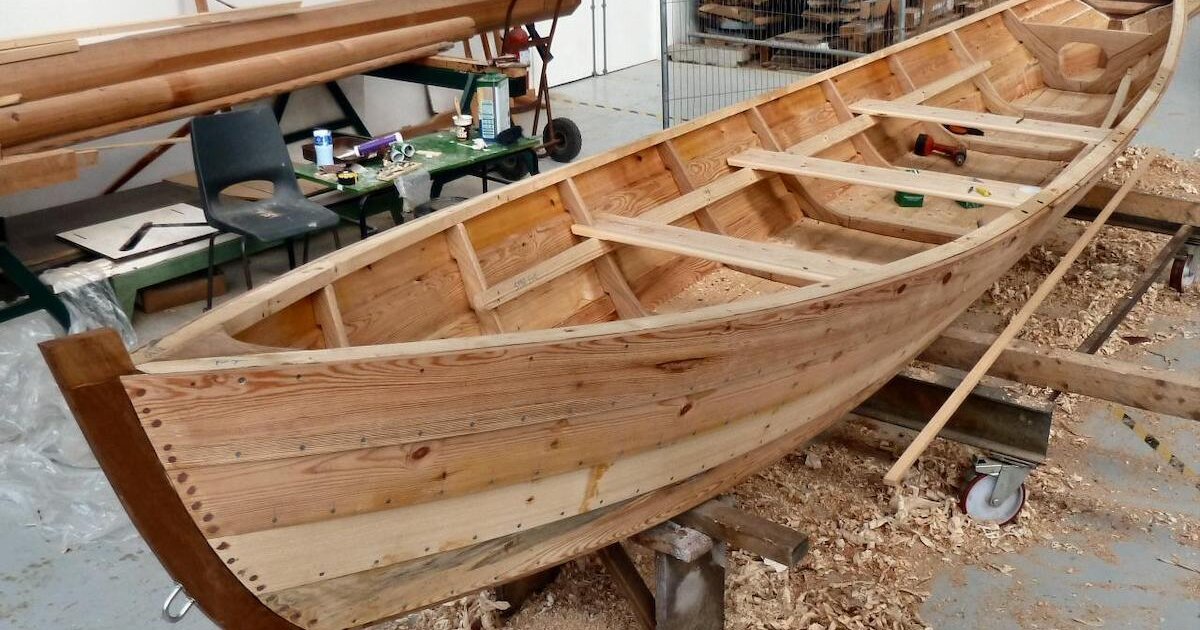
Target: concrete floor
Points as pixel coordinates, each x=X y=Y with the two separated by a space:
x=119 y=585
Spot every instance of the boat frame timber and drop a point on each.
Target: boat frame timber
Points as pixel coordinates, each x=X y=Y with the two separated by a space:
x=94 y=373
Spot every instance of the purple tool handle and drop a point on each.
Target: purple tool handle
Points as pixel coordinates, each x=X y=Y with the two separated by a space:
x=375 y=144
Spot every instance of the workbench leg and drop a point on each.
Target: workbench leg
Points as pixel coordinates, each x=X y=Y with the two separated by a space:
x=690 y=595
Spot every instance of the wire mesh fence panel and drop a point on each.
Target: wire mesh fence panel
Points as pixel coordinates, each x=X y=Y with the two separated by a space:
x=720 y=52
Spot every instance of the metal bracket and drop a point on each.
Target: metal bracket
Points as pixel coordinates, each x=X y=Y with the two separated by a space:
x=174 y=616
x=1010 y=474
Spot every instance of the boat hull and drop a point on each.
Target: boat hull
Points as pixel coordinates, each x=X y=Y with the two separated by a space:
x=331 y=488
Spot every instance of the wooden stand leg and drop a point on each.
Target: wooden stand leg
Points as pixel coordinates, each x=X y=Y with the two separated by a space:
x=629 y=582
x=691 y=595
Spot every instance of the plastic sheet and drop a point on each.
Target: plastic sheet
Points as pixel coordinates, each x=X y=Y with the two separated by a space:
x=47 y=471
x=414 y=187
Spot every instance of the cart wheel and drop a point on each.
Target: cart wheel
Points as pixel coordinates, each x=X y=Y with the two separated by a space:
x=570 y=140
x=973 y=500
x=511 y=168
x=1183 y=272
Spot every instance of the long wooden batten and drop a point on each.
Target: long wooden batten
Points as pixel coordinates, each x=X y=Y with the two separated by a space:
x=548 y=368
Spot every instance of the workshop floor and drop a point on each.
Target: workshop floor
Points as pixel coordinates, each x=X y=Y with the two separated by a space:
x=1111 y=578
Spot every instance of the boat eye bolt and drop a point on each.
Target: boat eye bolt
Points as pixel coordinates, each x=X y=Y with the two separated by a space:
x=169 y=612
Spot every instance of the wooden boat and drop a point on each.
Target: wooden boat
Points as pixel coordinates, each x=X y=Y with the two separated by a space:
x=554 y=366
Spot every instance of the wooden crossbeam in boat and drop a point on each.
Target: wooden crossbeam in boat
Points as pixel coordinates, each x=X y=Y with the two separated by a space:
x=701 y=197
x=980 y=120
x=543 y=272
x=973 y=189
x=783 y=263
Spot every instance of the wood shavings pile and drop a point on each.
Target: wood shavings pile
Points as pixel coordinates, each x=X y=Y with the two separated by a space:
x=1169 y=177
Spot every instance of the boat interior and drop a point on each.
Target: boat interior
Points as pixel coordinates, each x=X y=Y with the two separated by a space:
x=794 y=188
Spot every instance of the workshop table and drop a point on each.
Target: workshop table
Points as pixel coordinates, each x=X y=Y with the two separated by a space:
x=443 y=155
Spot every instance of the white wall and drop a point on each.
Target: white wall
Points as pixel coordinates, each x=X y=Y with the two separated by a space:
x=383 y=105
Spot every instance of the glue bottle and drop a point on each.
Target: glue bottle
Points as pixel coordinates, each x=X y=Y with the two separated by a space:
x=323 y=144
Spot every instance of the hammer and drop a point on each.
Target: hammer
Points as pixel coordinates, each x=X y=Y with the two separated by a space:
x=926 y=146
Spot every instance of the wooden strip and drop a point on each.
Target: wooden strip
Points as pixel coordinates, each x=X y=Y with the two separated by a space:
x=828 y=138
x=543 y=272
x=629 y=583
x=38 y=51
x=905 y=227
x=611 y=277
x=898 y=470
x=1118 y=101
x=243 y=497
x=25 y=172
x=747 y=531
x=811 y=206
x=974 y=189
x=235 y=15
x=11 y=99
x=682 y=543
x=992 y=99
x=869 y=153
x=473 y=279
x=683 y=180
x=329 y=318
x=980 y=120
x=1152 y=389
x=697 y=199
x=789 y=264
x=944 y=84
x=270 y=555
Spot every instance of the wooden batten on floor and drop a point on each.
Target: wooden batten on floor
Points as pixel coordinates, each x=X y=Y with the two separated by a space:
x=473 y=279
x=972 y=189
x=609 y=272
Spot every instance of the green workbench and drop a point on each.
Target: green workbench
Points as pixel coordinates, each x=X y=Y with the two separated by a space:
x=444 y=156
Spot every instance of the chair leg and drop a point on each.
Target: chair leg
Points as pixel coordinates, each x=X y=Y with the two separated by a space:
x=337 y=238
x=246 y=266
x=212 y=240
x=305 y=255
x=291 y=254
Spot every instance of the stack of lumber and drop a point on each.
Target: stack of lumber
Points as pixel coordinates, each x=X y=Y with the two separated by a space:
x=58 y=92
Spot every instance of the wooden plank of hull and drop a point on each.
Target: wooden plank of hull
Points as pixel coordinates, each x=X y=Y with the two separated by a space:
x=427 y=581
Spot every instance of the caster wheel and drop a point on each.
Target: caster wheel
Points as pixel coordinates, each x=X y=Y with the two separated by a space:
x=973 y=500
x=1183 y=272
x=569 y=139
x=511 y=168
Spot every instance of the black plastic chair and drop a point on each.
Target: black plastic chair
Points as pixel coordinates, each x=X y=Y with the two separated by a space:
x=244 y=146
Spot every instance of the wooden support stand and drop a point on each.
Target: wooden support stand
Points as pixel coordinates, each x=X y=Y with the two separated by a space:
x=689 y=564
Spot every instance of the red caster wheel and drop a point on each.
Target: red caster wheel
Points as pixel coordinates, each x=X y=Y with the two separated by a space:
x=1183 y=272
x=975 y=500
